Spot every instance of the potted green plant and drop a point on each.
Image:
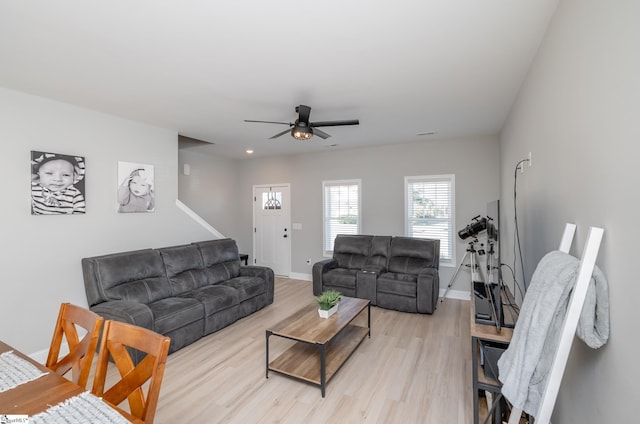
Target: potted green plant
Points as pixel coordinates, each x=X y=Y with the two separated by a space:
x=328 y=303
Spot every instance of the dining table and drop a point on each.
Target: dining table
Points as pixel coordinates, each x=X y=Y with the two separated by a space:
x=43 y=391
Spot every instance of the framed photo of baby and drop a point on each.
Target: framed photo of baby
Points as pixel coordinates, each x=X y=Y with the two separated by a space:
x=57 y=184
x=135 y=187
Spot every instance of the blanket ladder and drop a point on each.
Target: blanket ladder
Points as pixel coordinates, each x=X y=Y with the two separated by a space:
x=587 y=263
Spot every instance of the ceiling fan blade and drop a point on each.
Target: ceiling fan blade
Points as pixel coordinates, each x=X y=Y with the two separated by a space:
x=269 y=122
x=280 y=133
x=303 y=113
x=320 y=133
x=335 y=123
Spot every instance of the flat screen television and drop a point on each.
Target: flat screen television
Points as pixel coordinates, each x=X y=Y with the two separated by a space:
x=488 y=293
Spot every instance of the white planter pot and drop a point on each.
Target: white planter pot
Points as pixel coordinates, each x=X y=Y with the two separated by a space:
x=327 y=313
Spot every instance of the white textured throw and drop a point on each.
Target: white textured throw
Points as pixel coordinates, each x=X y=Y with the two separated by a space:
x=524 y=367
x=81 y=409
x=15 y=371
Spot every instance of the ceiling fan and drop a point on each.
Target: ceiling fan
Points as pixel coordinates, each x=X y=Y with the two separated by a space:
x=303 y=129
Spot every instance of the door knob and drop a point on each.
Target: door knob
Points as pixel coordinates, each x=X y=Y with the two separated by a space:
x=285 y=236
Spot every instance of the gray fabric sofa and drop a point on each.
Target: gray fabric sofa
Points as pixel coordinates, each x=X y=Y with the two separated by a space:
x=399 y=273
x=183 y=292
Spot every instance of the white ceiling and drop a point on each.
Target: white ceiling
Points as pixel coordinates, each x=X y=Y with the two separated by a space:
x=202 y=67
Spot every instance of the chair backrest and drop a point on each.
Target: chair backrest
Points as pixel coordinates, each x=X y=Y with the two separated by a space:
x=379 y=254
x=408 y=255
x=81 y=351
x=351 y=251
x=116 y=338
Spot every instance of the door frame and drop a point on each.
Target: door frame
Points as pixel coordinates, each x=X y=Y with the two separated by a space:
x=253 y=213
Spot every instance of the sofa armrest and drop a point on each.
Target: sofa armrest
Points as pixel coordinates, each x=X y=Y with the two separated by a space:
x=319 y=268
x=126 y=311
x=263 y=272
x=366 y=283
x=428 y=290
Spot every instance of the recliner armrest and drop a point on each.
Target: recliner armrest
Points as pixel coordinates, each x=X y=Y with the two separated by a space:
x=262 y=272
x=428 y=290
x=126 y=311
x=319 y=268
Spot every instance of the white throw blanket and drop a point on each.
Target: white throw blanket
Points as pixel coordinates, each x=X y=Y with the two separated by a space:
x=525 y=365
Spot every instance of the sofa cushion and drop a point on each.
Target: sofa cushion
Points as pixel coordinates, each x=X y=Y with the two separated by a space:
x=136 y=276
x=351 y=251
x=402 y=284
x=247 y=287
x=173 y=313
x=220 y=259
x=184 y=267
x=214 y=298
x=341 y=277
x=379 y=254
x=409 y=255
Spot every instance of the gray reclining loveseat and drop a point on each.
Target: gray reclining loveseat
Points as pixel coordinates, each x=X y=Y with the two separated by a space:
x=398 y=273
x=184 y=292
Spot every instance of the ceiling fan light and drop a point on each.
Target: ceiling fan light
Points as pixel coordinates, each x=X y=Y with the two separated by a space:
x=301 y=133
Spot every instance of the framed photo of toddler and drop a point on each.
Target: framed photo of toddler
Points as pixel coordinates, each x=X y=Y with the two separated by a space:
x=57 y=184
x=135 y=187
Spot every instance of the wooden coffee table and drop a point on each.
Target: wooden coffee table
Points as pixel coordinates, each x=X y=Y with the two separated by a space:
x=323 y=344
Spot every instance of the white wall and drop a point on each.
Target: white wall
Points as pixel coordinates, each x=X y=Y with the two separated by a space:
x=474 y=161
x=40 y=258
x=211 y=189
x=578 y=115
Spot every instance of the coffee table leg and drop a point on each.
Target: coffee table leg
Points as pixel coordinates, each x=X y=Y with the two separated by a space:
x=267 y=334
x=323 y=367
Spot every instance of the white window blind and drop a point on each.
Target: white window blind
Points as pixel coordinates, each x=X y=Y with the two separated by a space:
x=430 y=211
x=341 y=201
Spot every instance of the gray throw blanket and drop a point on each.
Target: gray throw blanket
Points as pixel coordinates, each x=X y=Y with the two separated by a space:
x=524 y=367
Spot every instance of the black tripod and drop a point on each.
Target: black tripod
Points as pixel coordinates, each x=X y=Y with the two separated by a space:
x=476 y=271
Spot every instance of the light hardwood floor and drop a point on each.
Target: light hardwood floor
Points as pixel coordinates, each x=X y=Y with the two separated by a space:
x=415 y=368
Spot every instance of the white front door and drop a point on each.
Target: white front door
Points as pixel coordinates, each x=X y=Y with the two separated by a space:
x=272 y=227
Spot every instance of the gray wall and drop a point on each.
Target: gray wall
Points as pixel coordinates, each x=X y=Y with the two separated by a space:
x=211 y=189
x=40 y=258
x=474 y=161
x=578 y=115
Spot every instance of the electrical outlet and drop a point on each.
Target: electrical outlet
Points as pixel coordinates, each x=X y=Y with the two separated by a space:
x=529 y=159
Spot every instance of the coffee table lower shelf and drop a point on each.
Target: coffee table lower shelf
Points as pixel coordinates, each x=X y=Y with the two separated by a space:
x=304 y=360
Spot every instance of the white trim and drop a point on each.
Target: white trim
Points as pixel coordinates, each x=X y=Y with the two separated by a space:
x=456 y=294
x=253 y=213
x=432 y=178
x=325 y=183
x=300 y=276
x=41 y=355
x=199 y=219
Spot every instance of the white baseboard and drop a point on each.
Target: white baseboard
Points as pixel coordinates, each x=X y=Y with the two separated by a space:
x=41 y=355
x=456 y=294
x=186 y=209
x=300 y=276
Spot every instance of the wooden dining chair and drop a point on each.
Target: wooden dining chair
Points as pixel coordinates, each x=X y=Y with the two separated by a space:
x=81 y=351
x=117 y=337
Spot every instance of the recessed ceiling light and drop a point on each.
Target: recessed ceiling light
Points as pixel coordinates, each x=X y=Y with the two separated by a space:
x=427 y=133
x=249 y=151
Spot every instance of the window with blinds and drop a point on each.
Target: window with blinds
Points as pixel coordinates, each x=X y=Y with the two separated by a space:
x=430 y=211
x=341 y=215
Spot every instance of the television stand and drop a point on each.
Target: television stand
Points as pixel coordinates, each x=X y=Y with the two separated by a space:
x=486 y=340
x=486 y=312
